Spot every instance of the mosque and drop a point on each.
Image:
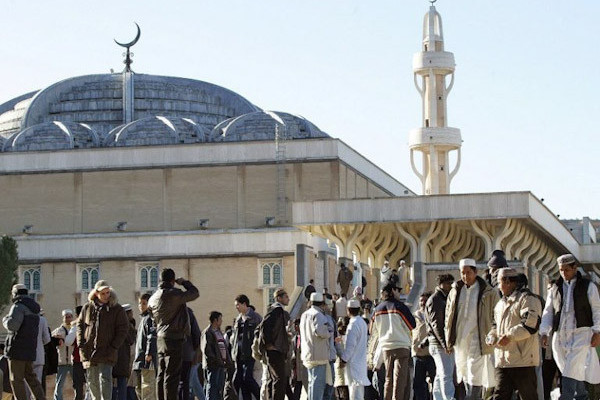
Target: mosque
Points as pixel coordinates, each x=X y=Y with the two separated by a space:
x=115 y=176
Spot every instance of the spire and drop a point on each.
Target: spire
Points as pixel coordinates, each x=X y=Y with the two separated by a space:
x=128 y=80
x=434 y=139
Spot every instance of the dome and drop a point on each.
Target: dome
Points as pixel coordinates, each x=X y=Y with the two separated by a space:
x=97 y=100
x=53 y=136
x=158 y=130
x=260 y=125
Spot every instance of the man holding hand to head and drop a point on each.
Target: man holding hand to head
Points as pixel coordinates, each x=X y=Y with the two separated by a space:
x=169 y=311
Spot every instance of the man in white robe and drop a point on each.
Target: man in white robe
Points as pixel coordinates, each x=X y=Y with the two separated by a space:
x=572 y=313
x=355 y=353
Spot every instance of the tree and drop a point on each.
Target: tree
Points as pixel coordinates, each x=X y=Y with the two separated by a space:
x=9 y=262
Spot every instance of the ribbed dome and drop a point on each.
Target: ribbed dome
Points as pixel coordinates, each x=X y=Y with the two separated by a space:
x=97 y=100
x=53 y=136
x=261 y=125
x=158 y=130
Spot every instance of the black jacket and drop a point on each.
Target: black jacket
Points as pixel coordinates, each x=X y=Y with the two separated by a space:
x=22 y=323
x=435 y=317
x=192 y=342
x=211 y=355
x=145 y=343
x=243 y=336
x=169 y=310
x=275 y=329
x=123 y=366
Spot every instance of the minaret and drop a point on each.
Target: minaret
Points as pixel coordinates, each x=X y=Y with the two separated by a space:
x=434 y=139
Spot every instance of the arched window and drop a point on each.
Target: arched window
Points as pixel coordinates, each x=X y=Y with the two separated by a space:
x=270 y=279
x=147 y=278
x=32 y=279
x=88 y=274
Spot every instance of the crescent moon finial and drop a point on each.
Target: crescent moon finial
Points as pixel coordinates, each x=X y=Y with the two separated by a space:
x=432 y=1
x=134 y=41
x=128 y=61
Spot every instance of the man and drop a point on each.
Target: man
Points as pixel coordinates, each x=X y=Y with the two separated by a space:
x=572 y=313
x=392 y=323
x=344 y=278
x=405 y=282
x=145 y=352
x=191 y=345
x=354 y=356
x=386 y=271
x=340 y=306
x=314 y=346
x=435 y=317
x=121 y=371
x=43 y=339
x=424 y=363
x=495 y=263
x=517 y=350
x=169 y=311
x=242 y=337
x=65 y=352
x=78 y=370
x=331 y=325
x=277 y=345
x=469 y=318
x=310 y=289
x=215 y=356
x=22 y=323
x=101 y=329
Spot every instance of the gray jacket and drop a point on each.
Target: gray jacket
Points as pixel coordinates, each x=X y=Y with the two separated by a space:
x=22 y=323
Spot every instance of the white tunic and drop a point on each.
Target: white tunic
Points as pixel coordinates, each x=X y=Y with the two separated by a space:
x=571 y=348
x=471 y=366
x=355 y=352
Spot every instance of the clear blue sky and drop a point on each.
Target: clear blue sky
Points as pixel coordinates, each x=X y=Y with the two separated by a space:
x=525 y=95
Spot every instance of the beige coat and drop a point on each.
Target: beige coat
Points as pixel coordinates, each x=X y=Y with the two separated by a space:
x=486 y=301
x=517 y=317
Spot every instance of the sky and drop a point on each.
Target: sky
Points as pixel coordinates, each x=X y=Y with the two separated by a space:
x=525 y=95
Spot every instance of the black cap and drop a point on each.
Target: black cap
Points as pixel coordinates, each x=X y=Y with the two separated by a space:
x=497 y=260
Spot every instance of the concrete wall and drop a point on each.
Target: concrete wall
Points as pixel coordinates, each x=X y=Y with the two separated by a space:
x=165 y=199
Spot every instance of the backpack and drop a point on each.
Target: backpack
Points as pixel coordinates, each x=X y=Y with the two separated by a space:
x=258 y=343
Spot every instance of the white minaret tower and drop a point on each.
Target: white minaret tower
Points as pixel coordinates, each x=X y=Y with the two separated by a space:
x=434 y=139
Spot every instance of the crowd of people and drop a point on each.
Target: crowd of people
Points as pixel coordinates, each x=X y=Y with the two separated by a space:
x=475 y=338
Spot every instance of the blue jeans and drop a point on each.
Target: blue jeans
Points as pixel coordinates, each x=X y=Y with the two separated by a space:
x=119 y=392
x=424 y=366
x=215 y=382
x=244 y=379
x=443 y=384
x=328 y=395
x=195 y=385
x=316 y=382
x=61 y=377
x=99 y=379
x=571 y=389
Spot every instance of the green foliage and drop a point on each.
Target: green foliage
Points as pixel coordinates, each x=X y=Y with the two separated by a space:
x=9 y=262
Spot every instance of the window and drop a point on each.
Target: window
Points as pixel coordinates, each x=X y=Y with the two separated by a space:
x=87 y=276
x=31 y=277
x=270 y=279
x=271 y=273
x=147 y=277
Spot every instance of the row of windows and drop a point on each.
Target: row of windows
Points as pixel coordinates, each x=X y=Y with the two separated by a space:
x=88 y=275
x=271 y=276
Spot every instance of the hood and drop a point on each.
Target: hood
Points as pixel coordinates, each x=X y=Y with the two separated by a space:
x=111 y=301
x=28 y=302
